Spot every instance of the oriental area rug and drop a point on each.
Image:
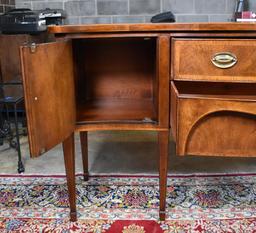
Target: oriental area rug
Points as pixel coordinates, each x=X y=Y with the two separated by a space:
x=198 y=203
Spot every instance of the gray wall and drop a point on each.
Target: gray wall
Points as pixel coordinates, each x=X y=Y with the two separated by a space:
x=138 y=11
x=6 y=5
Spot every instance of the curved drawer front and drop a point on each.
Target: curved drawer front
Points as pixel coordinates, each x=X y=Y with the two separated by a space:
x=214 y=124
x=214 y=60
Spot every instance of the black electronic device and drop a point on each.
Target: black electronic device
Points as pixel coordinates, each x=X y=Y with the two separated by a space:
x=165 y=17
x=53 y=16
x=22 y=20
x=26 y=21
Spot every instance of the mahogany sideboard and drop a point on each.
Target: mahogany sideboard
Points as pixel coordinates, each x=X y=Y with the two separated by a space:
x=196 y=80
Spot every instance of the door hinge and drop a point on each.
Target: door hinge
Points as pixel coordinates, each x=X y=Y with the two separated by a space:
x=32 y=47
x=148 y=120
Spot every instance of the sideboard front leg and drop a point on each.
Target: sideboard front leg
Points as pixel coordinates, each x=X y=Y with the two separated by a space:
x=69 y=158
x=163 y=145
x=84 y=149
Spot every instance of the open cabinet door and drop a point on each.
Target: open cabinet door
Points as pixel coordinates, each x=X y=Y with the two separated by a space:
x=48 y=80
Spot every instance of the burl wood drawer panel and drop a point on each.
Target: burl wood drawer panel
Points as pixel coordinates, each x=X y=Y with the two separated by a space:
x=213 y=124
x=214 y=60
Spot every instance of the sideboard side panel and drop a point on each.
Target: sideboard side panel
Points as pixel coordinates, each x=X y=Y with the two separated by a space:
x=163 y=60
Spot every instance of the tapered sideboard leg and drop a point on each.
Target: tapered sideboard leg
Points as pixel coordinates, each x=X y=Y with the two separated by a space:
x=84 y=148
x=163 y=144
x=69 y=158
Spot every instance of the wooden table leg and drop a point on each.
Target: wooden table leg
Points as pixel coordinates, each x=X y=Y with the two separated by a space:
x=84 y=148
x=163 y=144
x=69 y=158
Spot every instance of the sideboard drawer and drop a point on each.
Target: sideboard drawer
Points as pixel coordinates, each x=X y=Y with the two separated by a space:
x=214 y=60
x=216 y=120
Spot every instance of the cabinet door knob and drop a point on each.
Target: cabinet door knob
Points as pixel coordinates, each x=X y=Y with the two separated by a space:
x=224 y=60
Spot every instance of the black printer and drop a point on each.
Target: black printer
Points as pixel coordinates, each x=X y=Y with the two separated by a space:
x=22 y=20
x=53 y=16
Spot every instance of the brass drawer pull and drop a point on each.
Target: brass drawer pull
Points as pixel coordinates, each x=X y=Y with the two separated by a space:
x=224 y=60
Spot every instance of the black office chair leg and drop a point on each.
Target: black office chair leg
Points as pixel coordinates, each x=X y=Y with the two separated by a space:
x=20 y=164
x=24 y=124
x=2 y=133
x=9 y=133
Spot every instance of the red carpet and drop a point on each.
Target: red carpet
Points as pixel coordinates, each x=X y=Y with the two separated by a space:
x=129 y=204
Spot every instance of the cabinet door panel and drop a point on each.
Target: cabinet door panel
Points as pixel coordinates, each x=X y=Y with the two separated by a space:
x=49 y=94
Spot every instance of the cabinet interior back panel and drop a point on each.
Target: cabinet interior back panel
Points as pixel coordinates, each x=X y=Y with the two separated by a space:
x=116 y=68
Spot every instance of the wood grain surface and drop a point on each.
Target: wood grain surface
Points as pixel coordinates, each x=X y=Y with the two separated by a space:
x=192 y=60
x=220 y=123
x=49 y=94
x=149 y=27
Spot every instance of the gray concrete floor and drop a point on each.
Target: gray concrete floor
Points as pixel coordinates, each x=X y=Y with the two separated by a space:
x=121 y=153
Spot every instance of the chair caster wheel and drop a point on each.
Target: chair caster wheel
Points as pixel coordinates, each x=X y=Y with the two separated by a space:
x=13 y=145
x=21 y=168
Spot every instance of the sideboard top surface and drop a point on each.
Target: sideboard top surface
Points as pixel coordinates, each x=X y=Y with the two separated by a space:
x=149 y=27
